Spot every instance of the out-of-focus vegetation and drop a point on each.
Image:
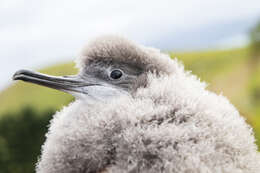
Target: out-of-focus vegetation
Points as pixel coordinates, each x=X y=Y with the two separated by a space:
x=21 y=137
x=255 y=41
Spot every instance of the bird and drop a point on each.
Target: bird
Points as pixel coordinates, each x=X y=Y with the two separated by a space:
x=136 y=109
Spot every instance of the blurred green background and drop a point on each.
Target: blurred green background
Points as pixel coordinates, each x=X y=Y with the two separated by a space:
x=26 y=109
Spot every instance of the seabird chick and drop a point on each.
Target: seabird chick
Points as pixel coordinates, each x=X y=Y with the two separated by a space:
x=138 y=110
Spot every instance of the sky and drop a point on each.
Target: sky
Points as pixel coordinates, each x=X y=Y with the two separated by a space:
x=35 y=34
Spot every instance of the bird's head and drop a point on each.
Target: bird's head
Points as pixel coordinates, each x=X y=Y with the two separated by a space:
x=109 y=66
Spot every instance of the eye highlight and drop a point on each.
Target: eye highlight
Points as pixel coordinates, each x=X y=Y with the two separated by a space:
x=116 y=74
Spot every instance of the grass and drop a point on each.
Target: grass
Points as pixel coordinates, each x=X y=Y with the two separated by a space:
x=210 y=64
x=230 y=72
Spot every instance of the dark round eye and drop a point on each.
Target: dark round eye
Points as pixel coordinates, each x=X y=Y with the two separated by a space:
x=116 y=74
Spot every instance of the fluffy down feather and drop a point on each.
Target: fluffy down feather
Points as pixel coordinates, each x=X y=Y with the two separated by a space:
x=172 y=125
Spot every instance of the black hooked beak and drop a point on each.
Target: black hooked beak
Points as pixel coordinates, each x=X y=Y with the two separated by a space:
x=64 y=83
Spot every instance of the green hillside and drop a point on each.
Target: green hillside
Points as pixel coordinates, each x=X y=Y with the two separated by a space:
x=230 y=72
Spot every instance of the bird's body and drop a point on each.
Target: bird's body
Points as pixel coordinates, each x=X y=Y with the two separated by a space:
x=154 y=118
